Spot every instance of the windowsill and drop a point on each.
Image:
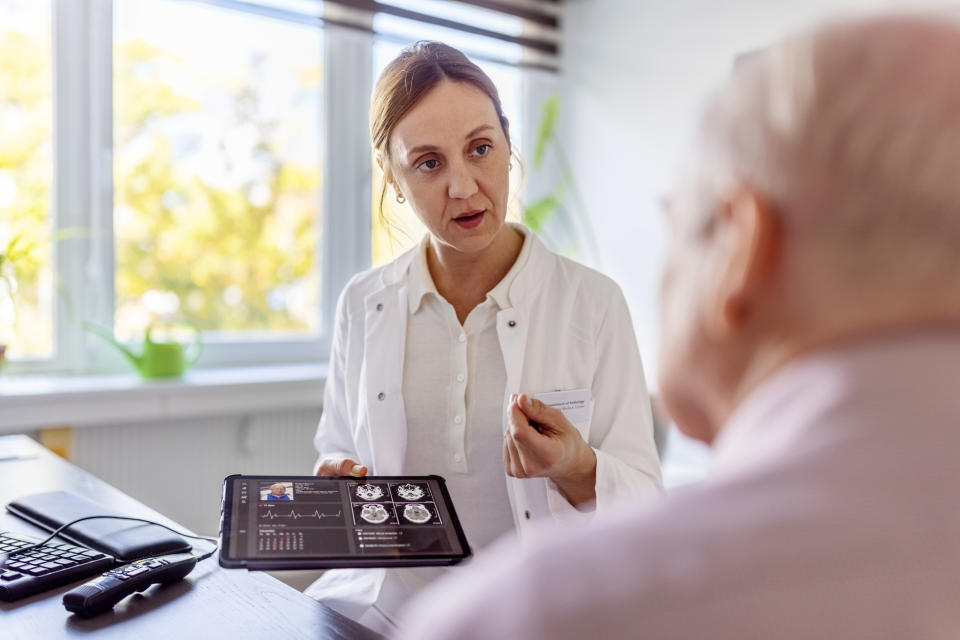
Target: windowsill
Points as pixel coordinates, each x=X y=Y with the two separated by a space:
x=32 y=402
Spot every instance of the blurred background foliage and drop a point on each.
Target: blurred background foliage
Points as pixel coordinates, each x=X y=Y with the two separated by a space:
x=26 y=171
x=218 y=231
x=216 y=188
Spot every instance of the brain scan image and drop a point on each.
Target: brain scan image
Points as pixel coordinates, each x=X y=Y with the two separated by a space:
x=410 y=492
x=375 y=513
x=369 y=492
x=416 y=513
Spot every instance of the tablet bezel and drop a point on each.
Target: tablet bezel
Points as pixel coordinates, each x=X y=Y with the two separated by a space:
x=358 y=562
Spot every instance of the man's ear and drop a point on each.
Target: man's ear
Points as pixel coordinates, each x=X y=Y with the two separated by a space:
x=748 y=255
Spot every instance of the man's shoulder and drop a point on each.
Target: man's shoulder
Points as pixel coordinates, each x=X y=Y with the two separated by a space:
x=710 y=550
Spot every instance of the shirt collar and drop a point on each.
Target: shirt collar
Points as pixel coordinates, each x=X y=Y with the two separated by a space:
x=421 y=283
x=806 y=399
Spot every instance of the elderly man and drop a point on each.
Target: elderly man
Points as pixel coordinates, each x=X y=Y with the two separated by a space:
x=811 y=333
x=278 y=491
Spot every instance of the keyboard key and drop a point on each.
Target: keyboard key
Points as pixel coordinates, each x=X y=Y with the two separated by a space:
x=31 y=569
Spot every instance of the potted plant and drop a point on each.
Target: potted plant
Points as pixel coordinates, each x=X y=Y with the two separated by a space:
x=11 y=254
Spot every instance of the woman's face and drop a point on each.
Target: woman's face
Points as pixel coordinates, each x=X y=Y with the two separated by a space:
x=450 y=159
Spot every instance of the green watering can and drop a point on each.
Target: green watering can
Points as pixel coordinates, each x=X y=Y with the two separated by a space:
x=156 y=359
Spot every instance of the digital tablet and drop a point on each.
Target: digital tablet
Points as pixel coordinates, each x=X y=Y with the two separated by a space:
x=311 y=522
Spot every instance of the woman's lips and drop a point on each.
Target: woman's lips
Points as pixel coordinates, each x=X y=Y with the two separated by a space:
x=470 y=220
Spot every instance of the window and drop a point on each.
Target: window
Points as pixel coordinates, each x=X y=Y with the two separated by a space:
x=26 y=170
x=216 y=171
x=203 y=165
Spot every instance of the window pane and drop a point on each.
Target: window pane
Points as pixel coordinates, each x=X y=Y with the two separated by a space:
x=398 y=228
x=26 y=169
x=217 y=170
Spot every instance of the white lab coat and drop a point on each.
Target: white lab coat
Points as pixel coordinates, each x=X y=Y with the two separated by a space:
x=568 y=327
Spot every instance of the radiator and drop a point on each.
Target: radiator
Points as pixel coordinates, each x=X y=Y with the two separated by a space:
x=178 y=467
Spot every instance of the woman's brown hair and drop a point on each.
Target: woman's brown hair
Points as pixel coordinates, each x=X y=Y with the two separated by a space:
x=410 y=76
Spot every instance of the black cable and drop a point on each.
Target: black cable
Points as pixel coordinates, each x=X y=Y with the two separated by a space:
x=216 y=543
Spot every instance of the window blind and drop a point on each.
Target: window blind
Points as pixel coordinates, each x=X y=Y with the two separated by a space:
x=527 y=30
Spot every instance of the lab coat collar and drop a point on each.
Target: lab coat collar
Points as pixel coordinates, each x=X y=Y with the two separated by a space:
x=421 y=283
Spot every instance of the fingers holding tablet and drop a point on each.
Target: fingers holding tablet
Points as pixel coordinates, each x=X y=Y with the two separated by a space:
x=341 y=467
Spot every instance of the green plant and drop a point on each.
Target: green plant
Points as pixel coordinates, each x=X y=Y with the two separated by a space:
x=564 y=205
x=17 y=250
x=21 y=258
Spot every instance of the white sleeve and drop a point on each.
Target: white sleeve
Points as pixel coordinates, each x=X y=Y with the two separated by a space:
x=334 y=434
x=621 y=425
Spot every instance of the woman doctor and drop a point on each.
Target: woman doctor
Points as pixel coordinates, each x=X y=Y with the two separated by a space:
x=430 y=351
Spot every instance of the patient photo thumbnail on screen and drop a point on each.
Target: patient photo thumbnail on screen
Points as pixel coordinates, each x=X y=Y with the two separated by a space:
x=276 y=491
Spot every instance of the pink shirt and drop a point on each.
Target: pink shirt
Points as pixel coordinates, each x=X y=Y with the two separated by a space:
x=833 y=511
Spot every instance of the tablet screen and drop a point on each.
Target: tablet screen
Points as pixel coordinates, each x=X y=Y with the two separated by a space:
x=308 y=521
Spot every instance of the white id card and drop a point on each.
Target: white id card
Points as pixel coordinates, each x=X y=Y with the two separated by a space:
x=575 y=403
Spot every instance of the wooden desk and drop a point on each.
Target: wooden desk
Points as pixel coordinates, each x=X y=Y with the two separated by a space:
x=210 y=603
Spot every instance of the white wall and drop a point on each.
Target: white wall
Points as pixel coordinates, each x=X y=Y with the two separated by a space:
x=635 y=73
x=177 y=466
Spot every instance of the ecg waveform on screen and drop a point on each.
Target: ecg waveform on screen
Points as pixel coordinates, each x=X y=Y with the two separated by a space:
x=270 y=515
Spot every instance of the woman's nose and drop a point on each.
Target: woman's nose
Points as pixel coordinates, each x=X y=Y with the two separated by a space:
x=462 y=183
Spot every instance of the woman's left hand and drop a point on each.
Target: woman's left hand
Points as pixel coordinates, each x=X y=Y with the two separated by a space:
x=541 y=442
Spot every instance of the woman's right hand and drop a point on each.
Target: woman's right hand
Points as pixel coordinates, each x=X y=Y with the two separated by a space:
x=341 y=467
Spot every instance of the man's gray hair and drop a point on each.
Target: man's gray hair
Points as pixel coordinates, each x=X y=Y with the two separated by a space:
x=853 y=131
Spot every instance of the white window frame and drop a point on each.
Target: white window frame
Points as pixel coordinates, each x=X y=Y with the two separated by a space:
x=83 y=41
x=83 y=192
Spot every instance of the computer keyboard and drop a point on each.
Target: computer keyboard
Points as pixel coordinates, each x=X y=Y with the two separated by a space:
x=46 y=567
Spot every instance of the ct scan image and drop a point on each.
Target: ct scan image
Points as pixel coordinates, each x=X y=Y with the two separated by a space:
x=410 y=492
x=418 y=513
x=369 y=492
x=375 y=513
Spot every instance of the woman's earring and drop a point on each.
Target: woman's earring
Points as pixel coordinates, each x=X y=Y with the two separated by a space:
x=510 y=166
x=400 y=198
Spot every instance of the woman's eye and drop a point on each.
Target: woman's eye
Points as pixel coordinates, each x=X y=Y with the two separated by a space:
x=430 y=164
x=482 y=149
